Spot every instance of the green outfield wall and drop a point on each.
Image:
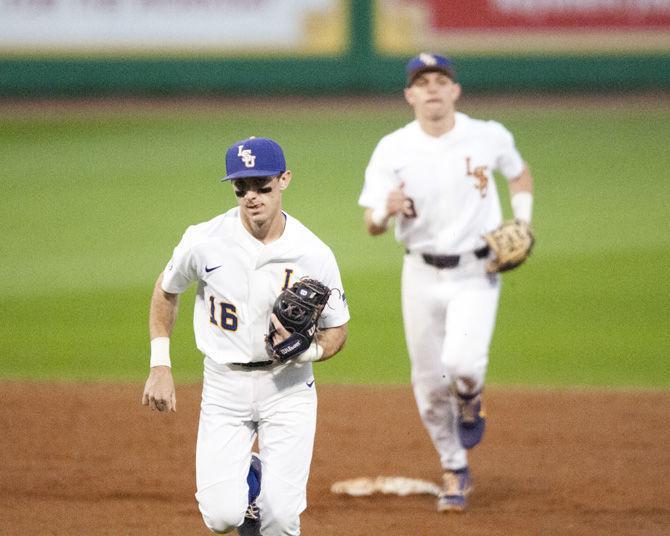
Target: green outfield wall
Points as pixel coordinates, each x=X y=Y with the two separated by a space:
x=360 y=67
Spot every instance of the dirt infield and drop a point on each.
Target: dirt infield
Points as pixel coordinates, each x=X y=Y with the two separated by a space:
x=88 y=459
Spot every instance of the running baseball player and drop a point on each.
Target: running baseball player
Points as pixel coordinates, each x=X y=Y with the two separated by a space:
x=434 y=177
x=242 y=261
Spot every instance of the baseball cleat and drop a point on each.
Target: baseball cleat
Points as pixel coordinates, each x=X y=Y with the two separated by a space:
x=253 y=514
x=457 y=485
x=471 y=420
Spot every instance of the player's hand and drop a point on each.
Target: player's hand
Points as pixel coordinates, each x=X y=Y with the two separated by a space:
x=281 y=334
x=397 y=202
x=159 y=392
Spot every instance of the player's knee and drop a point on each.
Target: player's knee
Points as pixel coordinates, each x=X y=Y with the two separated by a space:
x=221 y=514
x=221 y=522
x=469 y=370
x=285 y=523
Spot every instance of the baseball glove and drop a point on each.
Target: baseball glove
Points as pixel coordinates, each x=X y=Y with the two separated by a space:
x=510 y=243
x=298 y=308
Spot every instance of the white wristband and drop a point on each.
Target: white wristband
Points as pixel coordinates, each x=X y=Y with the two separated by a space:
x=160 y=352
x=379 y=217
x=313 y=353
x=522 y=206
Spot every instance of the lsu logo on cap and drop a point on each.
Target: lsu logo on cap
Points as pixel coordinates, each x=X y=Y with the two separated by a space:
x=254 y=157
x=427 y=59
x=248 y=159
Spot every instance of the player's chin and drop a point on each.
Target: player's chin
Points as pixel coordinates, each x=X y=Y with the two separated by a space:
x=256 y=214
x=435 y=113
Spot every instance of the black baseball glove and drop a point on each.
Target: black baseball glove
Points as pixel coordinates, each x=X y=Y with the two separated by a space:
x=298 y=308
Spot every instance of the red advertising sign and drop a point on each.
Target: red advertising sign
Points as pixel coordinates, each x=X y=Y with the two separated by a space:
x=548 y=14
x=523 y=26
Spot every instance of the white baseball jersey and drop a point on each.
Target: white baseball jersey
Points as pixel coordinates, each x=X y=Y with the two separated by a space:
x=449 y=179
x=239 y=278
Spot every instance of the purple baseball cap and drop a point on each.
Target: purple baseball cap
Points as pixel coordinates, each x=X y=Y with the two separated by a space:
x=427 y=62
x=254 y=157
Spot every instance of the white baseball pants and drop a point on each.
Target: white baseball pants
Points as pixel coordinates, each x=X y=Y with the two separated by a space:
x=449 y=316
x=277 y=403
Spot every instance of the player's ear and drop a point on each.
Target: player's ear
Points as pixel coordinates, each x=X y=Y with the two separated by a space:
x=456 y=91
x=284 y=179
x=409 y=96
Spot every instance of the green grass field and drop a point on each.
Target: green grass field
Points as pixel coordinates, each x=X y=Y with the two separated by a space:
x=93 y=203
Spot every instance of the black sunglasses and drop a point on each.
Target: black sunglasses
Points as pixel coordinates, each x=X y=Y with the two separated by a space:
x=243 y=186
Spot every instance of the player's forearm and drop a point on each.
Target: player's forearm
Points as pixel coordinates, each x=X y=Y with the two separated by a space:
x=163 y=311
x=521 y=195
x=332 y=340
x=522 y=183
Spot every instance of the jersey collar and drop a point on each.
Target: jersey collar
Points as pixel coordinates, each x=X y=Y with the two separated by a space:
x=452 y=134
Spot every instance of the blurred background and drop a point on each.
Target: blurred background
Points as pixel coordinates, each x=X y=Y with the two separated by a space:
x=115 y=116
x=270 y=47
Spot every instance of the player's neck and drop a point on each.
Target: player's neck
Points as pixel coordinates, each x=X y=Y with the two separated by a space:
x=437 y=126
x=265 y=231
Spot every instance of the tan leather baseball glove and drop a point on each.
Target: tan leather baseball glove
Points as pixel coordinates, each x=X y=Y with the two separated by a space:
x=511 y=244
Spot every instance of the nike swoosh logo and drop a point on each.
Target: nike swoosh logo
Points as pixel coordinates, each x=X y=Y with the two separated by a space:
x=212 y=269
x=309 y=384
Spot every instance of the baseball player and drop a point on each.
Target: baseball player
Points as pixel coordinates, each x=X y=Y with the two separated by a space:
x=240 y=261
x=434 y=177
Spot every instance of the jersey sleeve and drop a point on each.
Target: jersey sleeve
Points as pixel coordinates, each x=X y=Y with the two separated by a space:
x=509 y=161
x=336 y=311
x=180 y=271
x=379 y=177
